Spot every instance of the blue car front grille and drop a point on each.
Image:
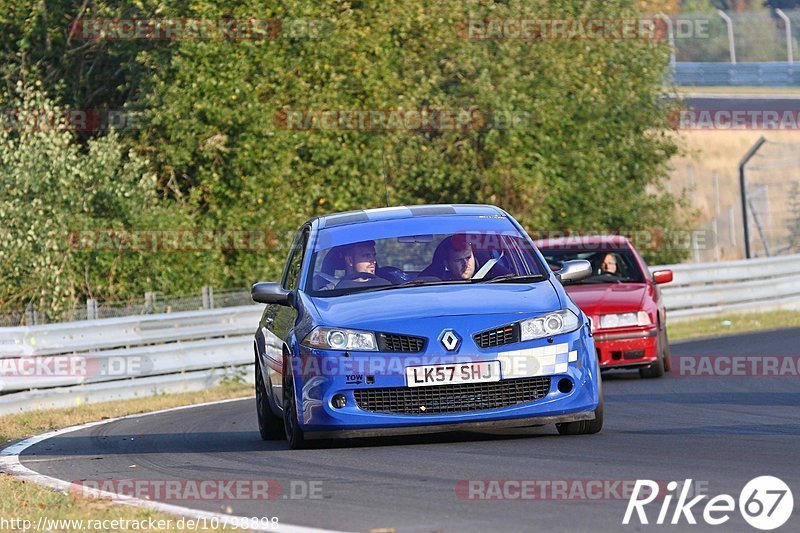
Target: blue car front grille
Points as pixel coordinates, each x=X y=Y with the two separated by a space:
x=392 y=342
x=455 y=398
x=497 y=336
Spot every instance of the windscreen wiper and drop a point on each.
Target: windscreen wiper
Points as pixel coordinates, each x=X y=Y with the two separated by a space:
x=515 y=278
x=419 y=283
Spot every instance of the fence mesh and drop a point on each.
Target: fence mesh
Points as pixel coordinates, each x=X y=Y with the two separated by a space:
x=757 y=36
x=150 y=303
x=772 y=180
x=700 y=37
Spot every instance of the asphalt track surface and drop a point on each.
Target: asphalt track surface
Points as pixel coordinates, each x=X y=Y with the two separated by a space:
x=751 y=112
x=719 y=431
x=750 y=103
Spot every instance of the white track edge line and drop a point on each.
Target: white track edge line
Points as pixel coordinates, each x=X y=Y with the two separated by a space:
x=10 y=463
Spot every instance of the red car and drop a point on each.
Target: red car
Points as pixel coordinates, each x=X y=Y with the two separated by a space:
x=621 y=297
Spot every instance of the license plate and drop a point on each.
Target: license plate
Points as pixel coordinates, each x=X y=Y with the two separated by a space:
x=479 y=372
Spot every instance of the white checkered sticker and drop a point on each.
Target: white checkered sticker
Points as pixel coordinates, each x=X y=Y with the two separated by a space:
x=541 y=361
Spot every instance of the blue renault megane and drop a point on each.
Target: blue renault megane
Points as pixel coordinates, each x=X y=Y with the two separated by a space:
x=419 y=319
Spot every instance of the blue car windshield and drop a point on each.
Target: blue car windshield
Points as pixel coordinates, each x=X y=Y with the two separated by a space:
x=402 y=253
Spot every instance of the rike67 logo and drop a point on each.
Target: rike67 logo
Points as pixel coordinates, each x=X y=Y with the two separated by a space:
x=765 y=503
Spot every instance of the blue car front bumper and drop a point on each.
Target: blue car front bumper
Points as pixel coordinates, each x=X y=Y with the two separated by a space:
x=567 y=362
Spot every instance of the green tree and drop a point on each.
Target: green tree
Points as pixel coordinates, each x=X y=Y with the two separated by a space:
x=51 y=190
x=41 y=39
x=591 y=153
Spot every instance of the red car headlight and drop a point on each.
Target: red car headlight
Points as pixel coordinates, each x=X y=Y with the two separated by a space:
x=621 y=320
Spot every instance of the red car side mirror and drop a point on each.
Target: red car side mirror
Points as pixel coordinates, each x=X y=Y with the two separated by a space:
x=662 y=276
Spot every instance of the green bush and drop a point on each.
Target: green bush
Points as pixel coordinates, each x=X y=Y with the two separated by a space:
x=590 y=150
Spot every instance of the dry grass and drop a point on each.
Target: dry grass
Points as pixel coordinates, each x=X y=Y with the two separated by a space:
x=733 y=323
x=23 y=500
x=26 y=501
x=14 y=427
x=706 y=153
x=722 y=150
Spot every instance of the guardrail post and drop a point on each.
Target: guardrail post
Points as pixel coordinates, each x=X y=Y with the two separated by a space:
x=150 y=300
x=731 y=44
x=91 y=309
x=30 y=315
x=788 y=22
x=208 y=297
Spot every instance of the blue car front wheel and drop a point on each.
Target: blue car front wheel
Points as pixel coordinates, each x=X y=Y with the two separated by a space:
x=269 y=426
x=294 y=434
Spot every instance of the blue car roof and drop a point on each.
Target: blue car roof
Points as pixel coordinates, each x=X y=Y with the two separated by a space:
x=394 y=213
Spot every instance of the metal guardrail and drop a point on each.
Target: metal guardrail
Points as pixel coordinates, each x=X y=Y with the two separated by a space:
x=127 y=332
x=121 y=358
x=707 y=289
x=98 y=360
x=764 y=74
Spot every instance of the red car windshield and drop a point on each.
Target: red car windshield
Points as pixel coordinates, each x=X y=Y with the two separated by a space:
x=608 y=265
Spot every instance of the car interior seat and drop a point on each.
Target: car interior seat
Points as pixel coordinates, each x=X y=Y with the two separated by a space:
x=334 y=261
x=436 y=268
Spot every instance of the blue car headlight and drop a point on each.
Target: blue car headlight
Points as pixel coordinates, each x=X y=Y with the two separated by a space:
x=563 y=321
x=341 y=339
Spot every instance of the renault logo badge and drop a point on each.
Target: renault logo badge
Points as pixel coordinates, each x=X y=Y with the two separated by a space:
x=450 y=340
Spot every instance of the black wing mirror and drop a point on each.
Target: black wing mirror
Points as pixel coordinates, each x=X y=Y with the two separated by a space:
x=269 y=292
